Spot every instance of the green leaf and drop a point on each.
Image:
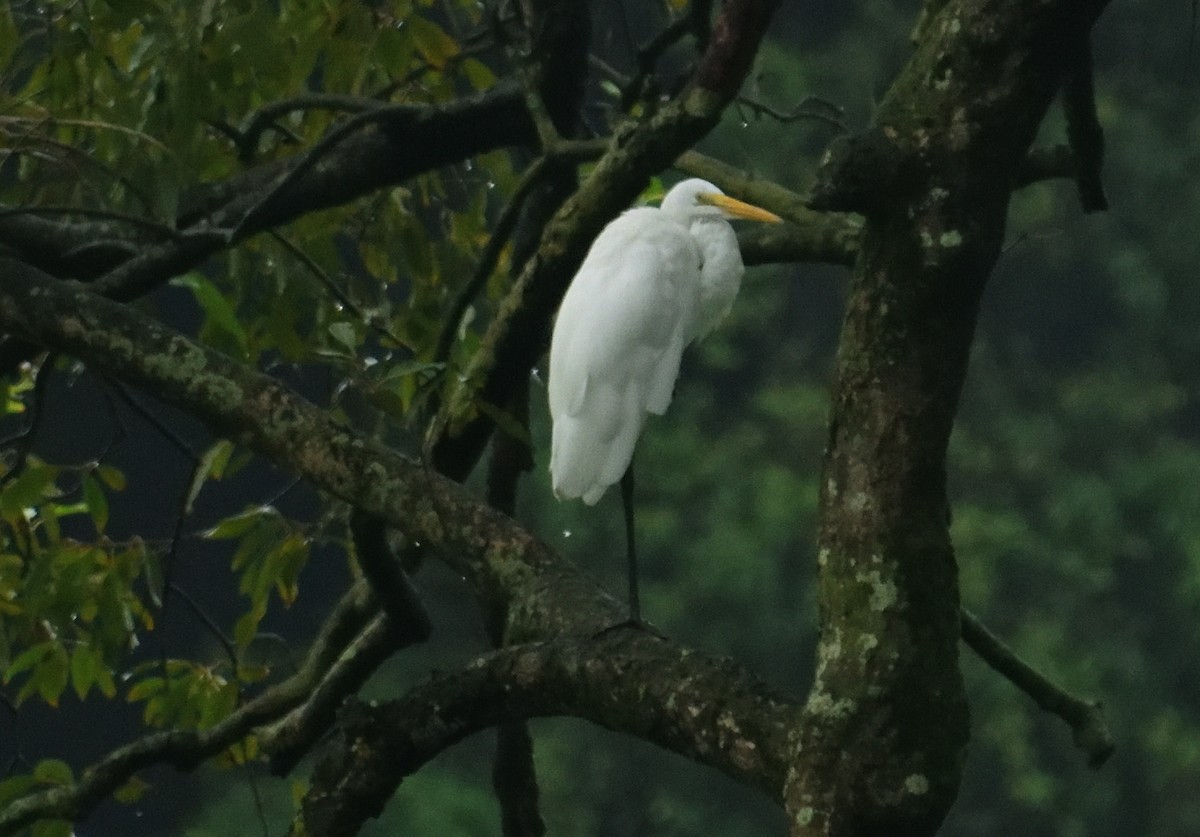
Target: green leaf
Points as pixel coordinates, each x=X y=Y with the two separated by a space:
x=96 y=501
x=31 y=488
x=246 y=627
x=14 y=788
x=114 y=478
x=52 y=675
x=431 y=41
x=52 y=828
x=83 y=669
x=478 y=74
x=221 y=328
x=133 y=790
x=345 y=334
x=145 y=689
x=239 y=524
x=212 y=464
x=27 y=659
x=53 y=772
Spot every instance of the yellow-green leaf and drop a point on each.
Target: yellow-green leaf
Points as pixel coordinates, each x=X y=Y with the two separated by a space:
x=53 y=772
x=432 y=42
x=96 y=501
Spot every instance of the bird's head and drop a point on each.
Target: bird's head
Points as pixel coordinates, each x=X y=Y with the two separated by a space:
x=694 y=197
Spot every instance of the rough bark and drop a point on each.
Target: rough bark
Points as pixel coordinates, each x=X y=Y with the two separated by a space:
x=886 y=723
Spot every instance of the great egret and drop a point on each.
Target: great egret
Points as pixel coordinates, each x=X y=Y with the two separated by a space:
x=653 y=281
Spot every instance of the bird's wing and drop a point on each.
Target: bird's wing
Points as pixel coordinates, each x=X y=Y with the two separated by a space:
x=616 y=347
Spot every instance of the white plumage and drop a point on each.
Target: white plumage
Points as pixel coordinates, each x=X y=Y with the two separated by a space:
x=653 y=281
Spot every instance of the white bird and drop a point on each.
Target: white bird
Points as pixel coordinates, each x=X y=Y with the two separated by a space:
x=653 y=281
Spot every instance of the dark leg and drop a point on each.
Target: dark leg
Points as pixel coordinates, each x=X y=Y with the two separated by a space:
x=635 y=608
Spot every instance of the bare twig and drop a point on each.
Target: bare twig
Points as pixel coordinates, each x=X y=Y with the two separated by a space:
x=501 y=233
x=265 y=118
x=1085 y=717
x=287 y=740
x=831 y=115
x=335 y=291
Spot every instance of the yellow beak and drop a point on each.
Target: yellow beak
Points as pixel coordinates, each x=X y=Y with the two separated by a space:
x=739 y=209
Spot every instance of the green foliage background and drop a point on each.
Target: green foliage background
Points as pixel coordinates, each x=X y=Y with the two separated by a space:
x=1074 y=471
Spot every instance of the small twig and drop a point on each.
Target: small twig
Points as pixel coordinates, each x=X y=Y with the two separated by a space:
x=800 y=111
x=289 y=739
x=1085 y=717
x=213 y=628
x=341 y=296
x=247 y=137
x=501 y=234
x=184 y=506
x=178 y=442
x=92 y=161
x=150 y=224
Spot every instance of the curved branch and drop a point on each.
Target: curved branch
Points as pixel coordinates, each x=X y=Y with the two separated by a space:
x=706 y=709
x=1086 y=719
x=1046 y=162
x=289 y=739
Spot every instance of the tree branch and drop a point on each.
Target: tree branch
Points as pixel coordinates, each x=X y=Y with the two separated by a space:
x=1086 y=719
x=1084 y=131
x=933 y=177
x=627 y=681
x=289 y=739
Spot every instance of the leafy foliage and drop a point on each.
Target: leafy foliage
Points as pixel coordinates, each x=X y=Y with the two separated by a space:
x=1074 y=463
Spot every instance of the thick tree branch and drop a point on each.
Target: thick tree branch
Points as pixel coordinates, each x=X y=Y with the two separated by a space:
x=395 y=145
x=811 y=236
x=933 y=177
x=627 y=681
